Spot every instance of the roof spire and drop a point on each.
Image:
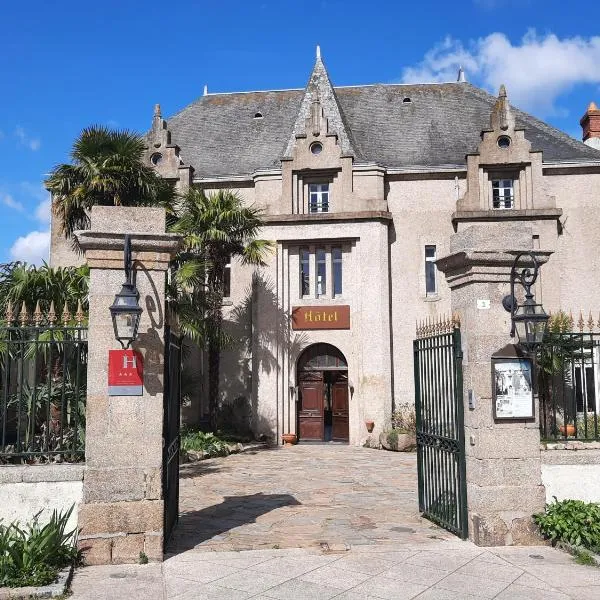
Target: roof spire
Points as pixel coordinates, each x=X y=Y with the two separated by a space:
x=157 y=110
x=318 y=51
x=501 y=117
x=205 y=93
x=461 y=75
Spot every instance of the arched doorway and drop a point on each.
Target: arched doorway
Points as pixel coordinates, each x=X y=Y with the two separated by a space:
x=323 y=395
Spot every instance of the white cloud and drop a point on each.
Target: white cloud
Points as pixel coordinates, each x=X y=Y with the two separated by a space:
x=32 y=248
x=42 y=211
x=9 y=201
x=25 y=140
x=536 y=71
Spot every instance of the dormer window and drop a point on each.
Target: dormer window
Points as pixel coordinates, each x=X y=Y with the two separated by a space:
x=503 y=194
x=318 y=197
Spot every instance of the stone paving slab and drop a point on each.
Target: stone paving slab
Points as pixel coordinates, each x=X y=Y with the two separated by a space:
x=306 y=574
x=303 y=496
x=321 y=522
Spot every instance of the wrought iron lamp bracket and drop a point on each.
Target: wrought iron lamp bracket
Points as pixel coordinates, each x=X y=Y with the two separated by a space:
x=526 y=277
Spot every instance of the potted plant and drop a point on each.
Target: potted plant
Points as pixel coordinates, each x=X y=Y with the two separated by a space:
x=403 y=435
x=370 y=425
x=289 y=439
x=568 y=429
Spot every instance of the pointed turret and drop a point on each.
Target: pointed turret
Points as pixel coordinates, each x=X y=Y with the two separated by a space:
x=502 y=117
x=320 y=111
x=160 y=134
x=461 y=75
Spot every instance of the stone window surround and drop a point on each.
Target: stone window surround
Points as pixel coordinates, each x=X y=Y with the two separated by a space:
x=312 y=248
x=301 y=182
x=515 y=174
x=436 y=297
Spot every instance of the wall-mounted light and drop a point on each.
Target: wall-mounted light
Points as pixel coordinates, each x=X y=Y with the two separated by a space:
x=528 y=320
x=126 y=310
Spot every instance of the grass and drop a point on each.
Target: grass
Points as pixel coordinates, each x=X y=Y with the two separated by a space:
x=583 y=557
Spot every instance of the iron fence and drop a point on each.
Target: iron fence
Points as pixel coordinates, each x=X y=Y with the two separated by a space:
x=43 y=371
x=568 y=383
x=441 y=466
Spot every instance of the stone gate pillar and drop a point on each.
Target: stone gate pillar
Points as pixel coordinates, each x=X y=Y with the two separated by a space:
x=121 y=513
x=504 y=486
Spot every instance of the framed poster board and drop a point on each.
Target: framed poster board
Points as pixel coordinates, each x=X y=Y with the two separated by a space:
x=512 y=386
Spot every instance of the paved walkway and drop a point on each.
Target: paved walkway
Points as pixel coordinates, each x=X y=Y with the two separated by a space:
x=320 y=522
x=437 y=570
x=303 y=496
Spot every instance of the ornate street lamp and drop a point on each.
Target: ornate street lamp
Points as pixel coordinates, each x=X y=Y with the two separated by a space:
x=529 y=320
x=126 y=310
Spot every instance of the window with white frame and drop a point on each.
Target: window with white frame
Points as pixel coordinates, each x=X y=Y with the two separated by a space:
x=318 y=197
x=503 y=194
x=430 y=271
x=328 y=275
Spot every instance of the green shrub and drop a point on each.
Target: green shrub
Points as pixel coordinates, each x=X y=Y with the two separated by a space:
x=199 y=441
x=572 y=521
x=392 y=438
x=33 y=554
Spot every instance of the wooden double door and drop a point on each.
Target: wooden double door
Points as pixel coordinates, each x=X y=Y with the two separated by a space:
x=323 y=406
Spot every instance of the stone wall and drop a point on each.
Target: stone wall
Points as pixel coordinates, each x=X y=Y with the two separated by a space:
x=571 y=471
x=28 y=489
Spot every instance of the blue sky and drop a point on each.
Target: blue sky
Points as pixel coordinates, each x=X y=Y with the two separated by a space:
x=68 y=64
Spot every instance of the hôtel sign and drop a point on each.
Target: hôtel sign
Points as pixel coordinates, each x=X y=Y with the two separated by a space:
x=321 y=317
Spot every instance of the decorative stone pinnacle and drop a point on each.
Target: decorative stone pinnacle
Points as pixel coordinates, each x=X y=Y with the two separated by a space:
x=502 y=92
x=157 y=110
x=205 y=92
x=592 y=106
x=461 y=75
x=318 y=51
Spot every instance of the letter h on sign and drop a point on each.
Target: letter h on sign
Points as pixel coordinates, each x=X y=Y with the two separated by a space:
x=125 y=373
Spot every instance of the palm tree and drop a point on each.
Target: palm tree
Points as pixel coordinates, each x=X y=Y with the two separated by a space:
x=216 y=228
x=22 y=283
x=107 y=169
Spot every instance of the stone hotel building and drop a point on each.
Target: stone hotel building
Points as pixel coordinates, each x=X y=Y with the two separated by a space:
x=362 y=188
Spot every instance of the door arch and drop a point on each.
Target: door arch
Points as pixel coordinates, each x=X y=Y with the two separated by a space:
x=323 y=411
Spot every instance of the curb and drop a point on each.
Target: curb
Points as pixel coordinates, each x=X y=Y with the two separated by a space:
x=45 y=591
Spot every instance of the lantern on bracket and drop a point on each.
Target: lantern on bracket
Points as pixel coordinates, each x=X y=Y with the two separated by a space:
x=528 y=320
x=126 y=310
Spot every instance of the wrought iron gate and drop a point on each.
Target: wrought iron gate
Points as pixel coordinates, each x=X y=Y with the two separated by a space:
x=172 y=393
x=440 y=425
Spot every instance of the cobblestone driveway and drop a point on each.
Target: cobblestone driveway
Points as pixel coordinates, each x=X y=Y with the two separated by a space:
x=303 y=496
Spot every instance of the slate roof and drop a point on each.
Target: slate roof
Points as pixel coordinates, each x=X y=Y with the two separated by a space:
x=219 y=136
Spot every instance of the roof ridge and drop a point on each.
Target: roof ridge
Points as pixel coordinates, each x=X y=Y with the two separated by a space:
x=528 y=117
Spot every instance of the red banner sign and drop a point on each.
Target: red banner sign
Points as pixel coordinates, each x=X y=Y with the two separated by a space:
x=125 y=373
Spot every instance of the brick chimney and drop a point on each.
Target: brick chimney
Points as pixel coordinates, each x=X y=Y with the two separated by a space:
x=590 y=123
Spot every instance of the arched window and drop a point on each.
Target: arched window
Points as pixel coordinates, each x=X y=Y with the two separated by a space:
x=322 y=357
